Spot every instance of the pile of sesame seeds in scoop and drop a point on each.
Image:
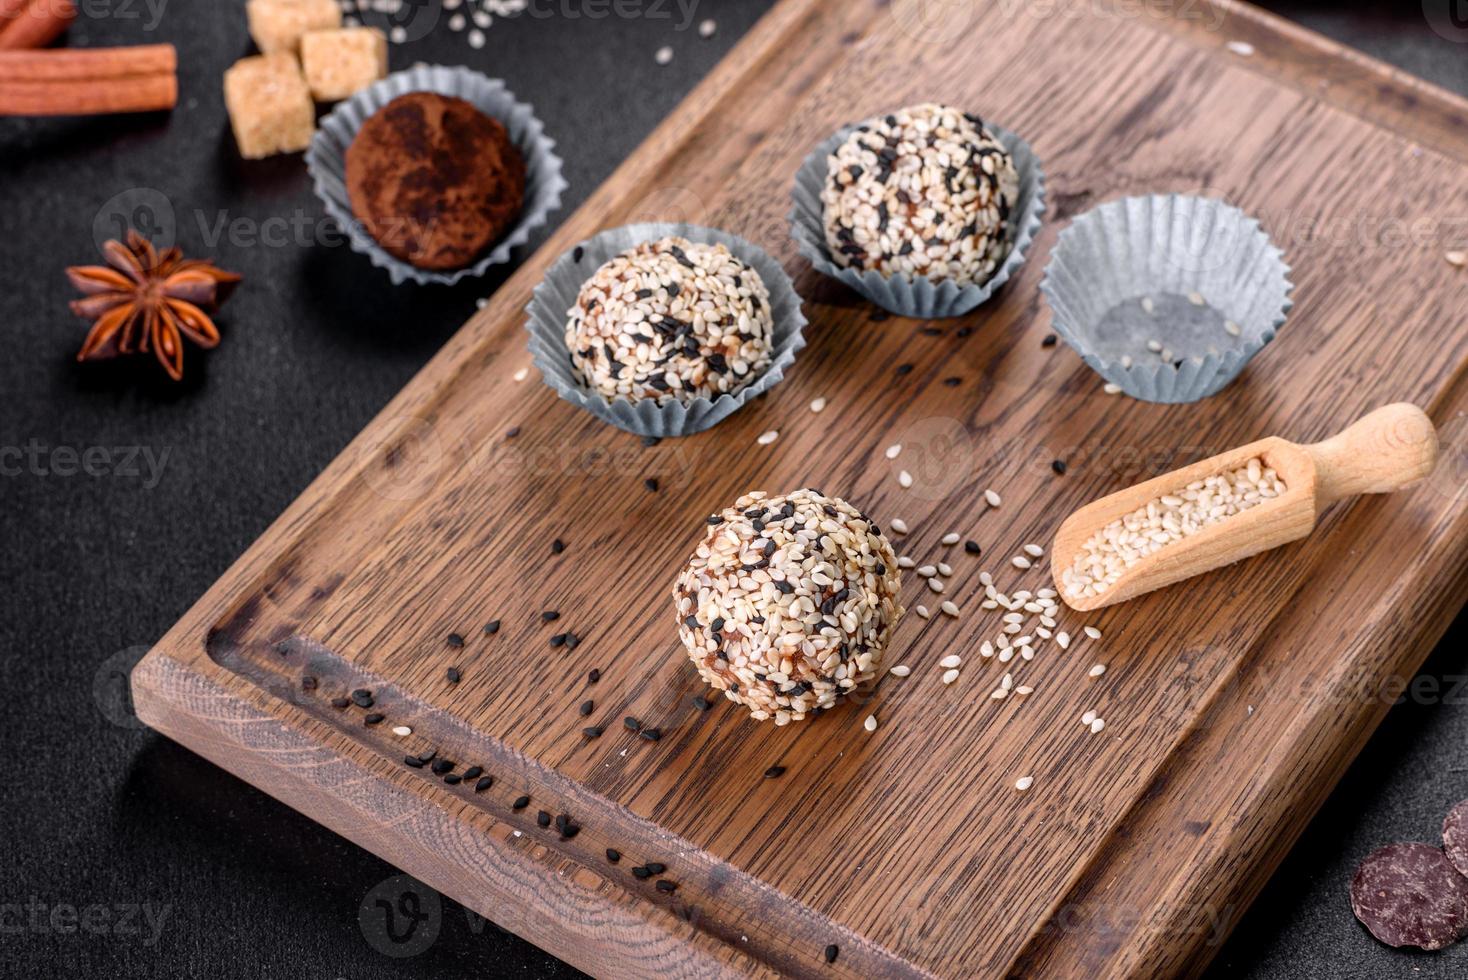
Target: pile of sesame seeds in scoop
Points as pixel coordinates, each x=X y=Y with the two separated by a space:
x=788 y=603
x=924 y=191
x=671 y=320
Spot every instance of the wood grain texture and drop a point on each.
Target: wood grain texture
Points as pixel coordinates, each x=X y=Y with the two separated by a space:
x=1233 y=702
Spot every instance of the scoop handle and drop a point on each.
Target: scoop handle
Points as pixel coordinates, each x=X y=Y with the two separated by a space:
x=1382 y=451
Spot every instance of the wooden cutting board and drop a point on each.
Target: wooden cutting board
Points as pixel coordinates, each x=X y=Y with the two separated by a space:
x=1233 y=703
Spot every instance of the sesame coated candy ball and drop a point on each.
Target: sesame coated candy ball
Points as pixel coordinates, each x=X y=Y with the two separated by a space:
x=671 y=320
x=788 y=603
x=924 y=191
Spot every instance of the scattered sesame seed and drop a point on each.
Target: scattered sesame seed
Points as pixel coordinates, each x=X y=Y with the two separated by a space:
x=340 y=703
x=1155 y=346
x=922 y=612
x=818 y=405
x=1241 y=48
x=557 y=546
x=1098 y=670
x=1049 y=340
x=992 y=498
x=1020 y=561
x=651 y=484
x=1196 y=298
x=905 y=562
x=1111 y=389
x=901 y=670
x=707 y=27
x=870 y=724
x=972 y=547
x=413 y=761
x=521 y=374
x=1024 y=689
x=701 y=703
x=774 y=772
x=453 y=675
x=950 y=539
x=1034 y=550
x=455 y=640
x=1093 y=632
x=898 y=524
x=768 y=437
x=1088 y=717
x=894 y=450
x=453 y=779
x=374 y=719
x=402 y=731
x=593 y=731
x=1231 y=328
x=928 y=571
x=952 y=660
x=1147 y=304
x=492 y=627
x=904 y=479
x=543 y=819
x=949 y=608
x=1058 y=466
x=998 y=694
x=1459 y=259
x=1024 y=782
x=586 y=708
x=663 y=55
x=949 y=676
x=613 y=855
x=936 y=584
x=1063 y=639
x=832 y=951
x=549 y=616
x=945 y=569
x=1097 y=725
x=593 y=675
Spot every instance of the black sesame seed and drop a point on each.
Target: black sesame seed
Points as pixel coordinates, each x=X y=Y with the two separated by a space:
x=952 y=382
x=340 y=703
x=593 y=732
x=491 y=628
x=656 y=867
x=473 y=772
x=413 y=761
x=570 y=830
x=485 y=782
x=453 y=779
x=512 y=432
x=650 y=441
x=904 y=369
x=972 y=547
x=651 y=484
x=453 y=675
x=593 y=675
x=587 y=707
x=715 y=520
x=572 y=641
x=562 y=821
x=442 y=766
x=613 y=855
x=632 y=723
x=374 y=719
x=1049 y=340
x=558 y=546
x=651 y=734
x=362 y=697
x=832 y=951
x=577 y=253
x=559 y=640
x=543 y=818
x=1058 y=466
x=455 y=640
x=521 y=802
x=549 y=616
x=774 y=772
x=427 y=756
x=964 y=332
x=308 y=683
x=666 y=886
x=642 y=873
x=701 y=703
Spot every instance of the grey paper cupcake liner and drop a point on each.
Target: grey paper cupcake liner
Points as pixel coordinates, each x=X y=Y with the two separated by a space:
x=557 y=293
x=1167 y=252
x=326 y=162
x=918 y=297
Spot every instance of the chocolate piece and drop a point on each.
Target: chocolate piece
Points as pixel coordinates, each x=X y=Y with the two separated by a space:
x=1411 y=895
x=434 y=180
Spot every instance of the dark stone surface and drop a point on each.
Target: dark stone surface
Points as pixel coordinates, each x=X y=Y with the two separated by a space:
x=117 y=823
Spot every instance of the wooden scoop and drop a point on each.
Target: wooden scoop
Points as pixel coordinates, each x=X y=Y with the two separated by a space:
x=1384 y=451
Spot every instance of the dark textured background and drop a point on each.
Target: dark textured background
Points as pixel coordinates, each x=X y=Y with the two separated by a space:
x=100 y=813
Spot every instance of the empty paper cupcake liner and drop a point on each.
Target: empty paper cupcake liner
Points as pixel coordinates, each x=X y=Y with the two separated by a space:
x=557 y=294
x=327 y=162
x=917 y=297
x=1167 y=297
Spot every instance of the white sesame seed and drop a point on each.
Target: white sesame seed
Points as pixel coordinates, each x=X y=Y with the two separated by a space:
x=1024 y=782
x=903 y=561
x=1006 y=655
x=1155 y=346
x=1024 y=689
x=999 y=694
x=952 y=660
x=818 y=405
x=928 y=571
x=904 y=479
x=1098 y=670
x=402 y=730
x=1241 y=48
x=901 y=670
x=870 y=724
x=707 y=27
x=992 y=498
x=1088 y=717
x=476 y=38
x=951 y=538
x=1093 y=632
x=936 y=584
x=945 y=569
x=1034 y=550
x=1147 y=305
x=1097 y=725
x=986 y=649
x=1459 y=259
x=985 y=579
x=1196 y=298
x=922 y=612
x=900 y=526
x=1027 y=652
x=1111 y=389
x=1231 y=328
x=768 y=437
x=1063 y=639
x=949 y=609
x=949 y=676
x=521 y=374
x=893 y=450
x=663 y=55
x=1007 y=682
x=1020 y=561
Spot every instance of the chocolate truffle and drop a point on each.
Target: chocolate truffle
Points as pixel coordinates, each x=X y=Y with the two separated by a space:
x=788 y=603
x=671 y=320
x=434 y=180
x=924 y=191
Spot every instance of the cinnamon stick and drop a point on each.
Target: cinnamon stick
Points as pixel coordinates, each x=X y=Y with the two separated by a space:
x=33 y=23
x=88 y=82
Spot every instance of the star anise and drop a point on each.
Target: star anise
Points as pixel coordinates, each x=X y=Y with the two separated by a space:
x=145 y=300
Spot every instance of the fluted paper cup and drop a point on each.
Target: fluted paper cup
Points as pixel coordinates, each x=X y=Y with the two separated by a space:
x=326 y=160
x=1167 y=297
x=919 y=296
x=557 y=294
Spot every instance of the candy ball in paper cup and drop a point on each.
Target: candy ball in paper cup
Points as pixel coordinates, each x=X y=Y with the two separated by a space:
x=664 y=329
x=327 y=162
x=923 y=226
x=1167 y=297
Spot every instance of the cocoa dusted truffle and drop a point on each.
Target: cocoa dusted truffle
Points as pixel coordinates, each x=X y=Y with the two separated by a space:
x=434 y=180
x=789 y=602
x=671 y=320
x=924 y=191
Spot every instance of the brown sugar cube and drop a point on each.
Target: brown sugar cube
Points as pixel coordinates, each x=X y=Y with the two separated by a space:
x=340 y=63
x=269 y=106
x=277 y=25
